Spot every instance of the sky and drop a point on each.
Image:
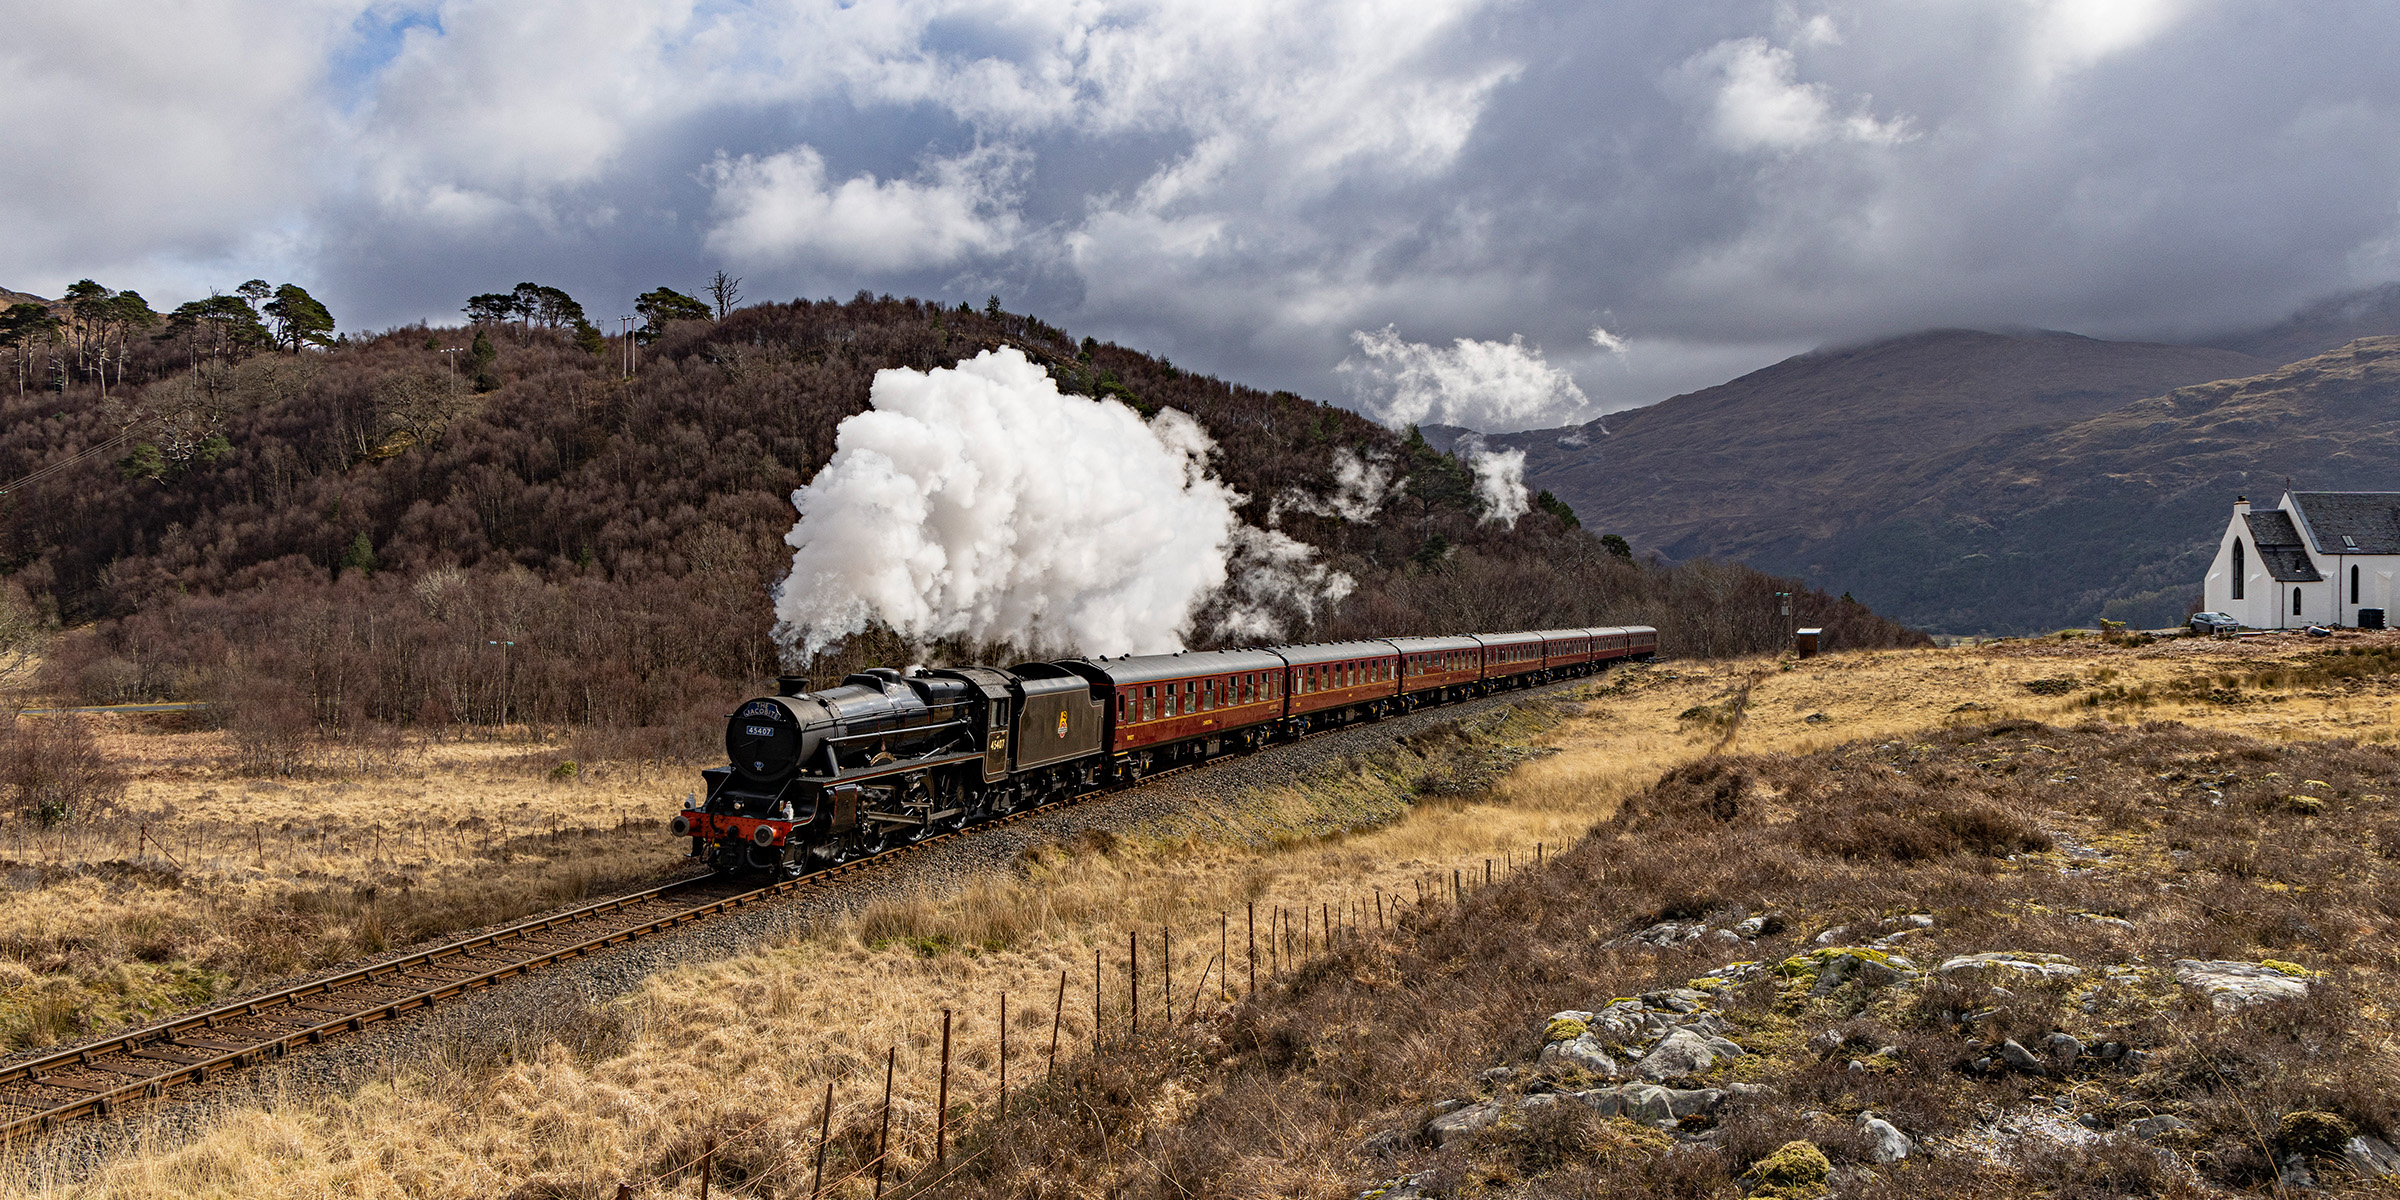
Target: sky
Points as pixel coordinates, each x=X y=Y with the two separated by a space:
x=1497 y=214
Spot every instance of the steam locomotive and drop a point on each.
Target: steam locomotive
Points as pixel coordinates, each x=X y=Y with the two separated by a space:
x=818 y=778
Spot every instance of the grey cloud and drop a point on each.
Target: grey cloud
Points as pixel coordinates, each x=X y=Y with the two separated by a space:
x=1244 y=188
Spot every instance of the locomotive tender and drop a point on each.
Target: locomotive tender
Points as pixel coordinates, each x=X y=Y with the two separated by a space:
x=818 y=778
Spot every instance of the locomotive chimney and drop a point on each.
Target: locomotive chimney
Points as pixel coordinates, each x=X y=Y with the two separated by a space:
x=791 y=685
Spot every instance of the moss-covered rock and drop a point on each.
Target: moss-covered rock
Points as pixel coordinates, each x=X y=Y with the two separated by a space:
x=1795 y=1171
x=1820 y=972
x=1563 y=1028
x=2316 y=1134
x=2018 y=962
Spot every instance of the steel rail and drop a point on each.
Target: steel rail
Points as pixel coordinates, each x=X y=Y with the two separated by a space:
x=181 y=1051
x=99 y=1077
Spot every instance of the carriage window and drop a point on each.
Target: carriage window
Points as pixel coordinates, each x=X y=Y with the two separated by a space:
x=1208 y=697
x=1191 y=697
x=1150 y=703
x=1125 y=706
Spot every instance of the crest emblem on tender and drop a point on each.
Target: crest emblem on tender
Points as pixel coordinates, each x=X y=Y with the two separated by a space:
x=1062 y=722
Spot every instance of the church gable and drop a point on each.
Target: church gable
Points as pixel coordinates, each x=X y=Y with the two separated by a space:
x=2279 y=547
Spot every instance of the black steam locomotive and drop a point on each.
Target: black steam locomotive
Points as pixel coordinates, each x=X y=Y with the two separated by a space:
x=818 y=778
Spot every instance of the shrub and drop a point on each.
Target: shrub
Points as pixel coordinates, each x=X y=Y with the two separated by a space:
x=52 y=771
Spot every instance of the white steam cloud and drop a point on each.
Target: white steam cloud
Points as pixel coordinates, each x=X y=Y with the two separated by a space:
x=1494 y=387
x=1362 y=485
x=1499 y=481
x=980 y=502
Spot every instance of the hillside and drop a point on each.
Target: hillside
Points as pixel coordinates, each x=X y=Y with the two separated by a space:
x=377 y=533
x=1764 y=467
x=2117 y=515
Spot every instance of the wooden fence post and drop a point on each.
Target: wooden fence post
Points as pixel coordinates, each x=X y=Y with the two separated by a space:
x=883 y=1131
x=1253 y=918
x=816 y=1186
x=941 y=1114
x=1133 y=971
x=1058 y=1015
x=1004 y=1055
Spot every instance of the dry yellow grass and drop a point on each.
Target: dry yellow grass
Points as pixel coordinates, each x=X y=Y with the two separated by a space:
x=200 y=880
x=743 y=1048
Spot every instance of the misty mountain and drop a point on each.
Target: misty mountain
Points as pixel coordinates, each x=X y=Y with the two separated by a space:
x=1768 y=467
x=2325 y=325
x=2118 y=515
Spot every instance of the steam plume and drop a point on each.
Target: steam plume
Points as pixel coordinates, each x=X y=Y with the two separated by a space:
x=981 y=502
x=1362 y=484
x=1499 y=480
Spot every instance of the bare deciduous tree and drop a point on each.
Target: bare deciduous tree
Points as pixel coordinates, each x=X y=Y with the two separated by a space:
x=726 y=290
x=23 y=635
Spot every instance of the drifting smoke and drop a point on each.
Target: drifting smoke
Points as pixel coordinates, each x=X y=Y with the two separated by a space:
x=1495 y=387
x=1362 y=485
x=1276 y=583
x=979 y=502
x=1499 y=481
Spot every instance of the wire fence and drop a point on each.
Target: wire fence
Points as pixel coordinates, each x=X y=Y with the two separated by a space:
x=1264 y=955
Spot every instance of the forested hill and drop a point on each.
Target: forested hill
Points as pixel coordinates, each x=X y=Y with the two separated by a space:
x=490 y=522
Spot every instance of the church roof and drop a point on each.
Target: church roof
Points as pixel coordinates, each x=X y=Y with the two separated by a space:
x=2279 y=548
x=2370 y=520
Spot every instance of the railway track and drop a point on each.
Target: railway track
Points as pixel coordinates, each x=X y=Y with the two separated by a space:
x=117 y=1073
x=103 y=1078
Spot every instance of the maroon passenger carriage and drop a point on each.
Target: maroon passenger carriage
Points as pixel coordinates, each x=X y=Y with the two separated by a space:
x=817 y=778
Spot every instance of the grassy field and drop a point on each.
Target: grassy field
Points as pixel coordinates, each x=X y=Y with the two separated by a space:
x=567 y=1101
x=202 y=880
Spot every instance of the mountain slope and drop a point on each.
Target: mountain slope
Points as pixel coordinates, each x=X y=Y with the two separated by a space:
x=2326 y=325
x=1766 y=466
x=2117 y=515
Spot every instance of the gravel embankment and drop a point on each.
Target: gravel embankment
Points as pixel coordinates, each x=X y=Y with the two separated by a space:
x=1181 y=802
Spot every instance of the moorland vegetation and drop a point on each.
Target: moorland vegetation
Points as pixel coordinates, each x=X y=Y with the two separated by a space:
x=1857 y=790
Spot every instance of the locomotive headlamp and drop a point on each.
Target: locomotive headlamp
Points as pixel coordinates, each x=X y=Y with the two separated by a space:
x=681 y=826
x=763 y=836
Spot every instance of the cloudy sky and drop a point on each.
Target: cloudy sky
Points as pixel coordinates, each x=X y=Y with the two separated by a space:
x=1499 y=214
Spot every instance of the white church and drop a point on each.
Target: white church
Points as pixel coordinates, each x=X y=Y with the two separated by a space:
x=2315 y=559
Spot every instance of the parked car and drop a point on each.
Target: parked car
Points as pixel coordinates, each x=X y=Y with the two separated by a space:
x=2214 y=622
